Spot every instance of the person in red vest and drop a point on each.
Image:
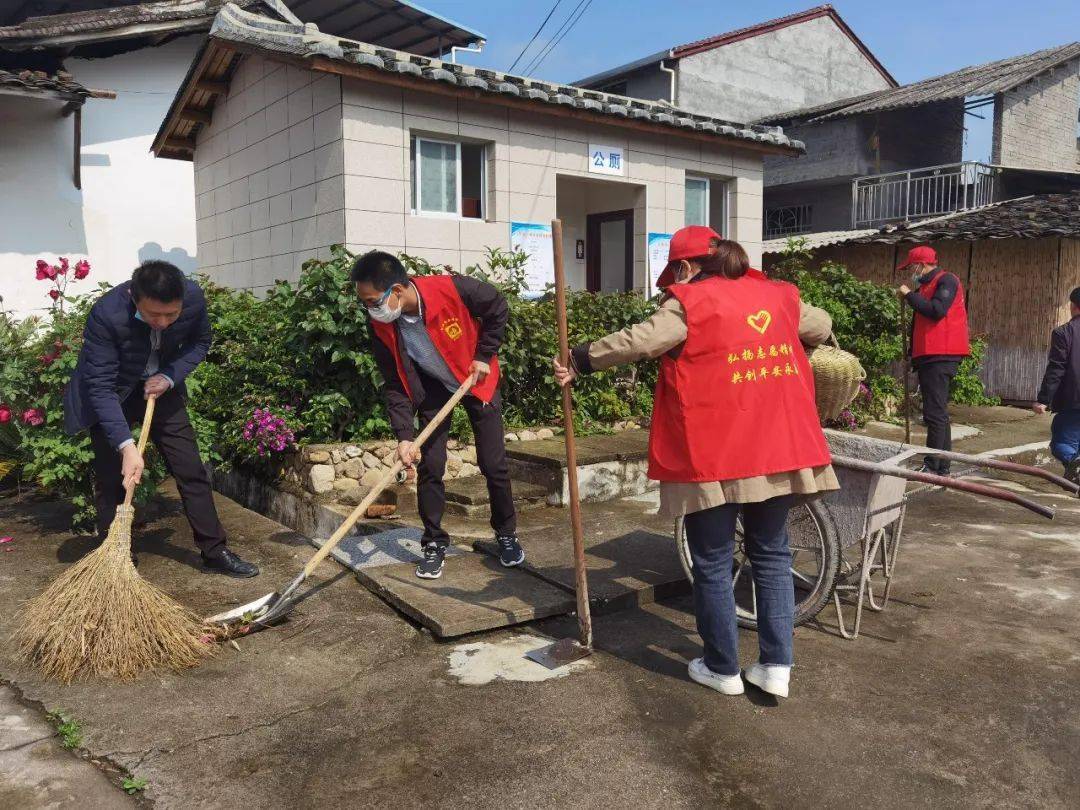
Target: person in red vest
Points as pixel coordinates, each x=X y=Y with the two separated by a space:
x=735 y=432
x=939 y=341
x=428 y=334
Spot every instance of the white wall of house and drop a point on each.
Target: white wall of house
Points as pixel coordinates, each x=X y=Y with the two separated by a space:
x=132 y=206
x=296 y=161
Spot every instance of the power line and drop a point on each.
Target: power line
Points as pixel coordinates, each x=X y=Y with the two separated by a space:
x=562 y=29
x=568 y=26
x=534 y=36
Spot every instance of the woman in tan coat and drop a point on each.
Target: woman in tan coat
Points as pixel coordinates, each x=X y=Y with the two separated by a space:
x=734 y=431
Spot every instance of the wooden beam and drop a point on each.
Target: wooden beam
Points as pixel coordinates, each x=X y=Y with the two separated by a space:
x=198 y=116
x=350 y=70
x=110 y=94
x=69 y=108
x=187 y=144
x=211 y=86
x=211 y=51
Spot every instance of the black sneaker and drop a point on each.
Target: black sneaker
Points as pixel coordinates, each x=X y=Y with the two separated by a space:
x=431 y=566
x=510 y=551
x=1072 y=470
x=223 y=561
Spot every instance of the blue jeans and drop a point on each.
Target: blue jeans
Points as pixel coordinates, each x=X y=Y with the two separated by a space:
x=1065 y=435
x=710 y=535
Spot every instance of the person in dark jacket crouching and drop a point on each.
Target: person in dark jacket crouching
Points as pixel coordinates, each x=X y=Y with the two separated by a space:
x=142 y=339
x=428 y=335
x=1060 y=390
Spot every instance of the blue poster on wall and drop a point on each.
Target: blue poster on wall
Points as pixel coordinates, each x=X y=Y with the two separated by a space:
x=534 y=240
x=659 y=244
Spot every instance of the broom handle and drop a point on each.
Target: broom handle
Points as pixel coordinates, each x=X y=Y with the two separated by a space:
x=144 y=436
x=388 y=478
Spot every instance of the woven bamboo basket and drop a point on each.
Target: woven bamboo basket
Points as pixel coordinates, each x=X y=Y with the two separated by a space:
x=837 y=375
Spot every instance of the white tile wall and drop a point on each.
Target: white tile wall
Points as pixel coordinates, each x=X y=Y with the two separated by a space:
x=297 y=161
x=269 y=193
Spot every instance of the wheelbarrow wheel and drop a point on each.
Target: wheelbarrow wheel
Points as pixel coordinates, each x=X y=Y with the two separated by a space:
x=815 y=564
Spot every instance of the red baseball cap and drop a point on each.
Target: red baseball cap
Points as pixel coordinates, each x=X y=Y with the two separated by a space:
x=691 y=242
x=923 y=254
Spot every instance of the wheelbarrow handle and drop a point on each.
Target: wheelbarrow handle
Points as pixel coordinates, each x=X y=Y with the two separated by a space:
x=1000 y=464
x=945 y=481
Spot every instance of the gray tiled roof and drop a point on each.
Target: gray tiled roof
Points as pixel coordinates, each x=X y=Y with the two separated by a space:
x=106 y=19
x=1038 y=215
x=978 y=80
x=37 y=81
x=235 y=25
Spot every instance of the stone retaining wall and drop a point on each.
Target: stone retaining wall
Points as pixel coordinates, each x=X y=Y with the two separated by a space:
x=322 y=468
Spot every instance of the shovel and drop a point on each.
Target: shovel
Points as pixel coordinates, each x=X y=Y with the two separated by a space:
x=270 y=608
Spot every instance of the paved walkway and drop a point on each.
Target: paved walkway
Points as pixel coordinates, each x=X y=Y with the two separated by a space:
x=961 y=694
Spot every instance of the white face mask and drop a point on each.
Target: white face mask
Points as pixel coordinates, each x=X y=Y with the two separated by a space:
x=383 y=313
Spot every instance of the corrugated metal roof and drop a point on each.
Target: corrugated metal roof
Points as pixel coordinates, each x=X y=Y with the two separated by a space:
x=814 y=240
x=234 y=26
x=978 y=80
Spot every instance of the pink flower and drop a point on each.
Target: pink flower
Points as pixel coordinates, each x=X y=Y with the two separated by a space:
x=33 y=417
x=6 y=540
x=5 y=414
x=42 y=270
x=82 y=269
x=54 y=294
x=64 y=264
x=48 y=359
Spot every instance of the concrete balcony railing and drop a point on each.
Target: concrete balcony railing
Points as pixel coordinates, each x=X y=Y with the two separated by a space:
x=879 y=199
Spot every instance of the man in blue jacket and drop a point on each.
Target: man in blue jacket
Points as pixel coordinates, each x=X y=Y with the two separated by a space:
x=142 y=339
x=1060 y=390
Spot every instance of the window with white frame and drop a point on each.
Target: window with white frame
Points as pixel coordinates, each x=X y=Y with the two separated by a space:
x=706 y=202
x=448 y=178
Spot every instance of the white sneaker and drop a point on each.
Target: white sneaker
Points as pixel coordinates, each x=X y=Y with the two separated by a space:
x=725 y=684
x=769 y=678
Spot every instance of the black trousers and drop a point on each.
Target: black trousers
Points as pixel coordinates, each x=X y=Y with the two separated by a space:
x=490 y=435
x=934 y=379
x=174 y=437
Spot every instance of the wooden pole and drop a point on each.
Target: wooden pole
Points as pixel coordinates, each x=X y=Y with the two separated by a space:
x=581 y=585
x=904 y=334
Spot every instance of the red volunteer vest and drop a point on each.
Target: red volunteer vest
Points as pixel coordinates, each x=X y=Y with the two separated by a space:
x=453 y=330
x=738 y=401
x=947 y=336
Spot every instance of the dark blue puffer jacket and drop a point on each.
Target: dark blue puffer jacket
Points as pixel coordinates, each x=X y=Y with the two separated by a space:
x=116 y=346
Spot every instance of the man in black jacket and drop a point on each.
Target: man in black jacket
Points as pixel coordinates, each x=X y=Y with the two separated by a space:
x=428 y=335
x=142 y=339
x=1060 y=391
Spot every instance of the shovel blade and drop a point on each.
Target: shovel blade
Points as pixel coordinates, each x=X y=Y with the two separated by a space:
x=562 y=652
x=252 y=610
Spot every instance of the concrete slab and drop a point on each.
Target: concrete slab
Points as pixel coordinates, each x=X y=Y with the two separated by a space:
x=630 y=445
x=400 y=544
x=626 y=565
x=474 y=593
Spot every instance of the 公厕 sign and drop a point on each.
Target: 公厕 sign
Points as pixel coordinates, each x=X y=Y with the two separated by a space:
x=605 y=159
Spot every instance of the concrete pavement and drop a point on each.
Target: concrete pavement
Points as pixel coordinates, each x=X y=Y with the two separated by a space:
x=961 y=694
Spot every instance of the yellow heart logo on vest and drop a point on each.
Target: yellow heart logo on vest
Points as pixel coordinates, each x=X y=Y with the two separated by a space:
x=759 y=322
x=452 y=328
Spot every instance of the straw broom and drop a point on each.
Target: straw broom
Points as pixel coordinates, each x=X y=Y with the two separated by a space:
x=101 y=618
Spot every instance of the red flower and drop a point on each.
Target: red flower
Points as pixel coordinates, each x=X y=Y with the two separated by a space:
x=33 y=416
x=42 y=270
x=54 y=294
x=64 y=264
x=5 y=414
x=49 y=359
x=82 y=268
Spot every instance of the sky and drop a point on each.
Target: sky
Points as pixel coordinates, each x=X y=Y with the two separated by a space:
x=914 y=39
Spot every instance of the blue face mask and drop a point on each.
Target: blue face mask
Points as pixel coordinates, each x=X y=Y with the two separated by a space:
x=138 y=315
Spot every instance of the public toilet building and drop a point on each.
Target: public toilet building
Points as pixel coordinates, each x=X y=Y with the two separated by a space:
x=302 y=140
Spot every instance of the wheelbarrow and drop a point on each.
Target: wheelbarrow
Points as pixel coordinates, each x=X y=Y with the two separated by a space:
x=847 y=543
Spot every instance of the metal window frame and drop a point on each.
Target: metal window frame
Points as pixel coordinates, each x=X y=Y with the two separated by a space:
x=420 y=210
x=708 y=196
